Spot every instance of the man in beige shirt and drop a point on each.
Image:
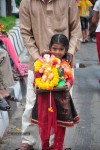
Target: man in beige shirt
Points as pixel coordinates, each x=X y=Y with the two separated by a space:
x=39 y=20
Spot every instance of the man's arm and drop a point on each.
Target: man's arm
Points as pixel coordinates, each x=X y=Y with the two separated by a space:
x=26 y=30
x=95 y=17
x=75 y=34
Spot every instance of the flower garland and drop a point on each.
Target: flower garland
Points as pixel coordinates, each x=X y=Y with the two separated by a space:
x=48 y=85
x=2 y=31
x=48 y=70
x=37 y=65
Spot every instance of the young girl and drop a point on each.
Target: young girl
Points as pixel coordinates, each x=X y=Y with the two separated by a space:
x=64 y=113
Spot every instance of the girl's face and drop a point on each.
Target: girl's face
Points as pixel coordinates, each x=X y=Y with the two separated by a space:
x=59 y=50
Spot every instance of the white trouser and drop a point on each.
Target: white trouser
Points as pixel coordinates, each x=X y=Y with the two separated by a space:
x=27 y=127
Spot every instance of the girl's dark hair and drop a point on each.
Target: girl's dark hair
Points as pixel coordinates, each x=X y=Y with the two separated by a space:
x=60 y=39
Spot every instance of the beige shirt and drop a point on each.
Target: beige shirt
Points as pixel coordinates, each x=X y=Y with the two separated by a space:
x=40 y=21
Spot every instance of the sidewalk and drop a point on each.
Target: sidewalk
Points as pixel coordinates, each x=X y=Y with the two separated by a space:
x=86 y=96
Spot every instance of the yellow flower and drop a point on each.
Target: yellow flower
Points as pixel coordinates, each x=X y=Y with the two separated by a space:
x=37 y=65
x=49 y=84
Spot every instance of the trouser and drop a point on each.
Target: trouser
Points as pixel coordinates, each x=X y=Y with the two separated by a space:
x=58 y=140
x=98 y=44
x=30 y=132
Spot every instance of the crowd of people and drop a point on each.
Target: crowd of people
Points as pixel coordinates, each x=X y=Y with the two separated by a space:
x=60 y=27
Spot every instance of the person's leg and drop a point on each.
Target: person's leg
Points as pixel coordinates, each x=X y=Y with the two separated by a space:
x=98 y=44
x=5 y=70
x=84 y=25
x=86 y=29
x=83 y=28
x=6 y=78
x=29 y=130
x=83 y=34
x=59 y=138
x=3 y=104
x=44 y=142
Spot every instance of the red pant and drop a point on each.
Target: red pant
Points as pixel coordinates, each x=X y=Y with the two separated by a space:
x=98 y=44
x=58 y=140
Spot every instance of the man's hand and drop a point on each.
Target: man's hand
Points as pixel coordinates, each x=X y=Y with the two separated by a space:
x=69 y=58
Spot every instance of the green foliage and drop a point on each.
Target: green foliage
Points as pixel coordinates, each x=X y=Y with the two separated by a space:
x=17 y=2
x=8 y=22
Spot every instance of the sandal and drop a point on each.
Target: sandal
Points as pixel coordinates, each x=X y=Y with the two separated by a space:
x=4 y=105
x=11 y=98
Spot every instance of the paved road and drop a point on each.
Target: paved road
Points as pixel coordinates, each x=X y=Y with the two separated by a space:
x=86 y=96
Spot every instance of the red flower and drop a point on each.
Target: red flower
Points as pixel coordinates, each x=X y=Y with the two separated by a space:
x=1 y=26
x=37 y=75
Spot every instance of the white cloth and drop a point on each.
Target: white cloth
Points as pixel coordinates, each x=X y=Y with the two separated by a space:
x=30 y=133
x=97 y=8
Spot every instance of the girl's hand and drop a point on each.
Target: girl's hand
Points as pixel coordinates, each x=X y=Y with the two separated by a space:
x=68 y=86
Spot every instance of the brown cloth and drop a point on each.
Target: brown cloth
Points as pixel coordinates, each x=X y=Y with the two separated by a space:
x=66 y=113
